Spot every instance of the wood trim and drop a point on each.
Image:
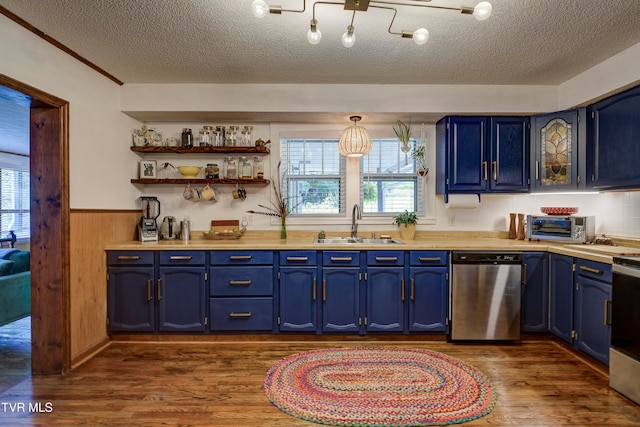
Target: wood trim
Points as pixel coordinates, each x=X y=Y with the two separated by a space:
x=86 y=355
x=15 y=18
x=107 y=211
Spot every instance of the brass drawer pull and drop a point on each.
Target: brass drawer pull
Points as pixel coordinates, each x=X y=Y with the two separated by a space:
x=607 y=304
x=149 y=290
x=591 y=270
x=240 y=257
x=484 y=168
x=495 y=170
x=159 y=291
x=402 y=290
x=537 y=170
x=180 y=257
x=413 y=289
x=128 y=257
x=314 y=288
x=426 y=259
x=386 y=259
x=324 y=290
x=239 y=282
x=341 y=259
x=232 y=314
x=297 y=258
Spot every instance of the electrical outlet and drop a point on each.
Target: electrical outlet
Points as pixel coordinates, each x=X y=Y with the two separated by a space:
x=246 y=221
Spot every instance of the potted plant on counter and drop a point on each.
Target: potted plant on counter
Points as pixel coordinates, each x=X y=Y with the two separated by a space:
x=407 y=224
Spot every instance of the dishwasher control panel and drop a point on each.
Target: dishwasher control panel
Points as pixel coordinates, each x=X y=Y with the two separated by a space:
x=465 y=257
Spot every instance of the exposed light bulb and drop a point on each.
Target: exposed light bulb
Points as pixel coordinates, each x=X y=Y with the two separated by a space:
x=314 y=35
x=349 y=38
x=482 y=10
x=259 y=8
x=420 y=36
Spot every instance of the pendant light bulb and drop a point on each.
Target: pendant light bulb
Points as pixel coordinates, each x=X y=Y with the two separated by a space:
x=259 y=8
x=420 y=36
x=314 y=35
x=482 y=10
x=349 y=38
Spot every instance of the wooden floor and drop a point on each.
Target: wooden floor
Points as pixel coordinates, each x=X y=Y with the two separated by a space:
x=539 y=383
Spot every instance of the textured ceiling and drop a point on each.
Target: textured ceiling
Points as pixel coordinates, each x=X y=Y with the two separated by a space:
x=220 y=41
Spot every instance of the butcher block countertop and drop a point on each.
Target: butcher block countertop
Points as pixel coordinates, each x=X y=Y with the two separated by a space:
x=425 y=240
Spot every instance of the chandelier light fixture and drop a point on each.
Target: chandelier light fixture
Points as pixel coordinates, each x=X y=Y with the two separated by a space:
x=420 y=36
x=355 y=140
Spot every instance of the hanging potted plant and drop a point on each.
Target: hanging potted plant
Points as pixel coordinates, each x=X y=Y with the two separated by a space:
x=403 y=132
x=419 y=155
x=407 y=224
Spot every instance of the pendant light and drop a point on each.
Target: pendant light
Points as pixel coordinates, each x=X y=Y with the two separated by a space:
x=355 y=140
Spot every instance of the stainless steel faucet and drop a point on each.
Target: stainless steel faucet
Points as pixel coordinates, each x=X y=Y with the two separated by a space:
x=356 y=214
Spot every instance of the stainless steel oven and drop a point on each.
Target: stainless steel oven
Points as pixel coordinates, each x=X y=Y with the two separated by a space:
x=624 y=354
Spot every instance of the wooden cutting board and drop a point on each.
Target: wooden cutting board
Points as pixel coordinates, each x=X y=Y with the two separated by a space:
x=610 y=250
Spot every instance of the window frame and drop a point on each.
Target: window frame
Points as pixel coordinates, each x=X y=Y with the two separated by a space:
x=17 y=164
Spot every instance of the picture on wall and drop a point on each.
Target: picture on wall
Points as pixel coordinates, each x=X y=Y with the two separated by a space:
x=148 y=169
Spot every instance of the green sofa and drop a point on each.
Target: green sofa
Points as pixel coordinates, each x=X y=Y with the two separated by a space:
x=15 y=285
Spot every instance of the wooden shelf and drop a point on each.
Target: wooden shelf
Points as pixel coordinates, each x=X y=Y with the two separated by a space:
x=200 y=181
x=205 y=150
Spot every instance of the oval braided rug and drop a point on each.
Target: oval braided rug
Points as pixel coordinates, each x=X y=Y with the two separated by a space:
x=379 y=387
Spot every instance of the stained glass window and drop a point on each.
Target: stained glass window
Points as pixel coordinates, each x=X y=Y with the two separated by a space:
x=557 y=141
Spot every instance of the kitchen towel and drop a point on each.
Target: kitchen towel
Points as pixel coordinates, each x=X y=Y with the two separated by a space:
x=463 y=201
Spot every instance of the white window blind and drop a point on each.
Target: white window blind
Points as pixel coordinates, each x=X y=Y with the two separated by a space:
x=15 y=203
x=388 y=179
x=314 y=175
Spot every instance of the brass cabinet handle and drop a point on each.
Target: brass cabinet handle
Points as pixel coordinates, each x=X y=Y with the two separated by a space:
x=239 y=282
x=402 y=290
x=128 y=257
x=159 y=292
x=413 y=289
x=324 y=290
x=297 y=258
x=425 y=259
x=537 y=170
x=386 y=259
x=591 y=270
x=486 y=174
x=524 y=274
x=314 y=288
x=180 y=257
x=607 y=303
x=149 y=290
x=341 y=259
x=240 y=257
x=232 y=314
x=494 y=166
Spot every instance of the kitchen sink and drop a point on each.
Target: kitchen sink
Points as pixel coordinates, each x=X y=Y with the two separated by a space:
x=355 y=241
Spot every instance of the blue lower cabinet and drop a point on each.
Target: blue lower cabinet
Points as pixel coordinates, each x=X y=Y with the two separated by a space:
x=340 y=293
x=534 y=313
x=181 y=299
x=561 y=297
x=241 y=314
x=131 y=299
x=428 y=299
x=298 y=299
x=385 y=297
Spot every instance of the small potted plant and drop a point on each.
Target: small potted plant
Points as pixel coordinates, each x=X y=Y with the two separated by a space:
x=407 y=224
x=419 y=155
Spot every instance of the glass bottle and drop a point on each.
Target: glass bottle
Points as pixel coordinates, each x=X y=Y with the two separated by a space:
x=231 y=135
x=187 y=137
x=245 y=138
x=246 y=171
x=248 y=131
x=223 y=135
x=225 y=166
x=205 y=138
x=232 y=169
x=258 y=168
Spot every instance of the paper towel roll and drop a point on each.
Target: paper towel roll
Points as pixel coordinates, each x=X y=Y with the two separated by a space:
x=462 y=201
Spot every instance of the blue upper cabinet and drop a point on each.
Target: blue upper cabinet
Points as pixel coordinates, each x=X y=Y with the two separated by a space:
x=557 y=152
x=482 y=154
x=613 y=152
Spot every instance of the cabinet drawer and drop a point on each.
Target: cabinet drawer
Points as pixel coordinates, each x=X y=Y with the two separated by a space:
x=130 y=258
x=593 y=269
x=241 y=257
x=298 y=258
x=428 y=258
x=234 y=281
x=241 y=314
x=182 y=257
x=385 y=258
x=341 y=258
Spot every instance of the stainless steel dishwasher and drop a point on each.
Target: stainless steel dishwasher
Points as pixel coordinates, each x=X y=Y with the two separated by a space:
x=485 y=295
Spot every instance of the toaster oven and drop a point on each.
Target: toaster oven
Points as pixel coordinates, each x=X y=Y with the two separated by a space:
x=572 y=228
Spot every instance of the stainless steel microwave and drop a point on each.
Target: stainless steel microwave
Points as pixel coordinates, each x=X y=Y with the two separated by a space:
x=574 y=229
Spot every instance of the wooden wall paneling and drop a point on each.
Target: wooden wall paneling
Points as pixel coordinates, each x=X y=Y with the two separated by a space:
x=90 y=231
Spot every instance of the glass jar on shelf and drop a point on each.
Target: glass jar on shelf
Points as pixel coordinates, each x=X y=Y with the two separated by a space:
x=213 y=171
x=216 y=138
x=222 y=135
x=248 y=131
x=246 y=171
x=225 y=166
x=244 y=140
x=258 y=168
x=205 y=138
x=232 y=169
x=232 y=135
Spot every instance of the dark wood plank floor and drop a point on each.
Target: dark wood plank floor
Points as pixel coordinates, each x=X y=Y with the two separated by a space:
x=539 y=383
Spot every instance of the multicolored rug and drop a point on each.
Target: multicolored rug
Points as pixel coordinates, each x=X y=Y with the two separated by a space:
x=379 y=387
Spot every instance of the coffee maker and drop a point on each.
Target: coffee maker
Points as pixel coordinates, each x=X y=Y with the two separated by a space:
x=148 y=227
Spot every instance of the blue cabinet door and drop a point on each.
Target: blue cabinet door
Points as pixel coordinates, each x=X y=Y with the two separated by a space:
x=561 y=294
x=298 y=299
x=341 y=300
x=592 y=317
x=428 y=299
x=613 y=149
x=181 y=296
x=535 y=292
x=509 y=168
x=467 y=153
x=131 y=299
x=385 y=297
